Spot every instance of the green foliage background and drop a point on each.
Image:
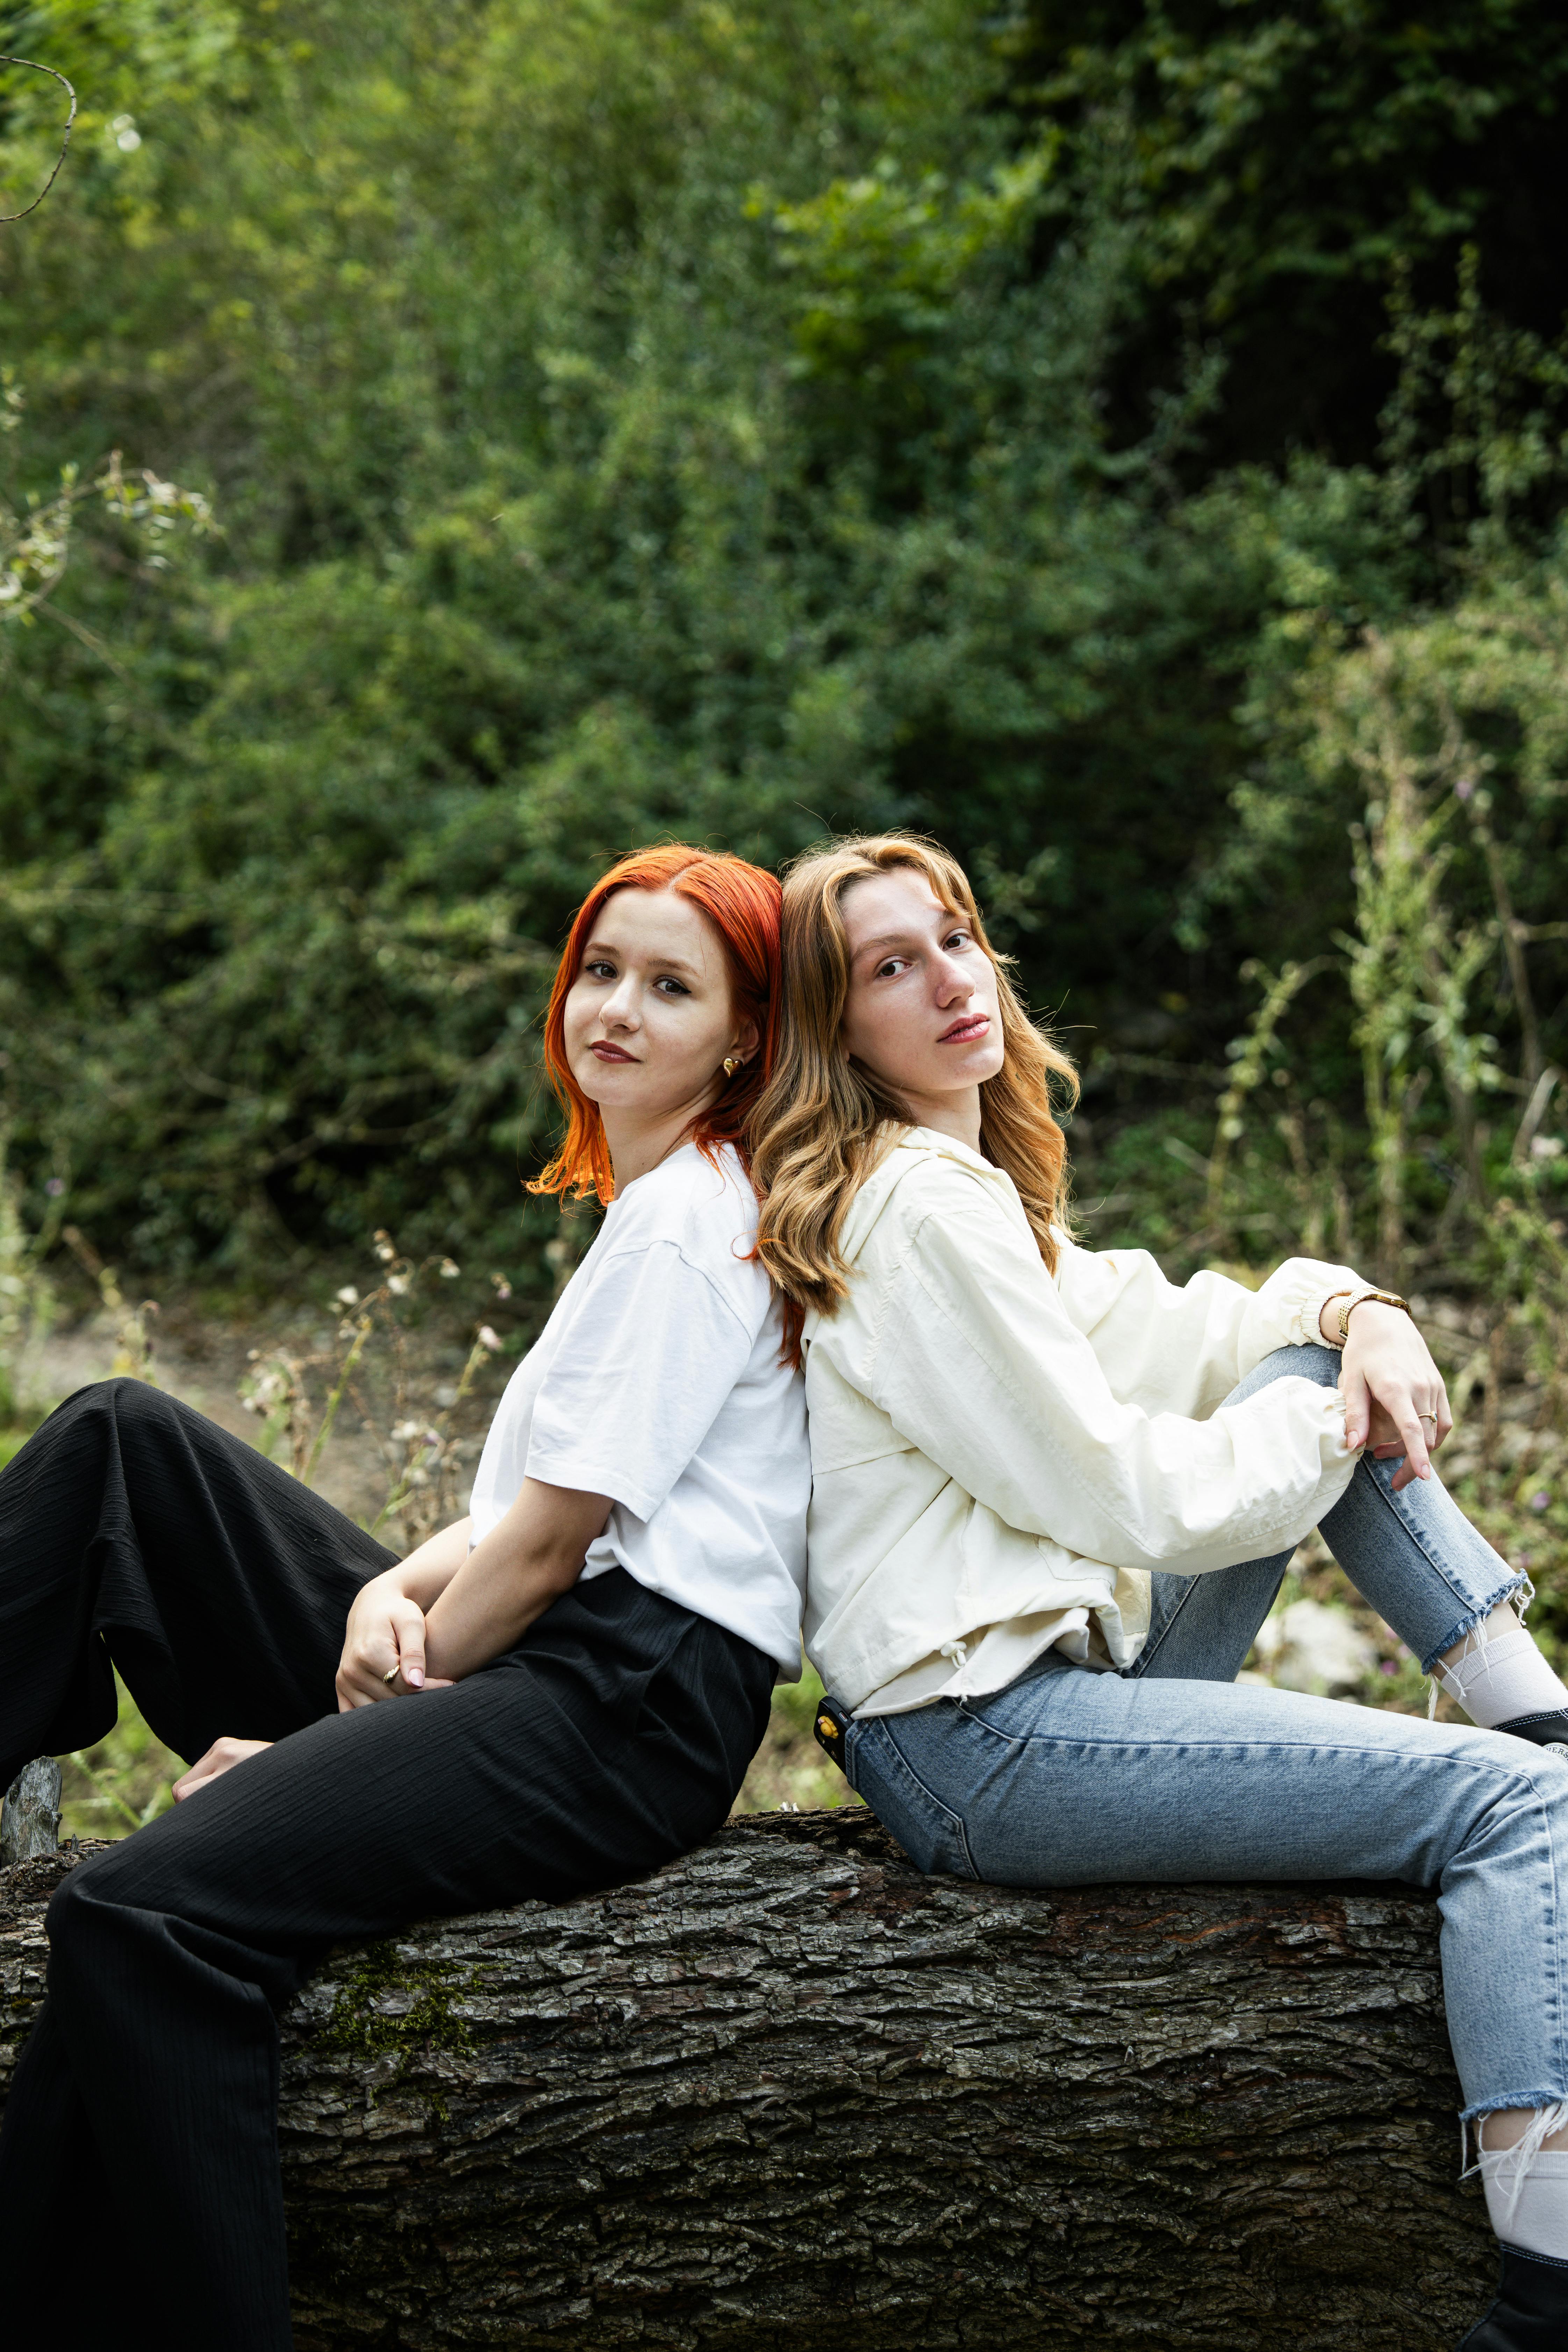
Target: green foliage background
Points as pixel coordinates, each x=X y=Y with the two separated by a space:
x=1125 y=439
x=630 y=416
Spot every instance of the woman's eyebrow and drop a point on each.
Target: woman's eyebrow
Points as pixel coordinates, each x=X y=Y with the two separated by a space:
x=899 y=939
x=664 y=962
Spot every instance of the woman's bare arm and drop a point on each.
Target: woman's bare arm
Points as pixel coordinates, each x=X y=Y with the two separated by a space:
x=445 y=1611
x=511 y=1577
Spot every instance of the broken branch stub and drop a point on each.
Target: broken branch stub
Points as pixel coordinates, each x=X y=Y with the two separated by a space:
x=30 y=1817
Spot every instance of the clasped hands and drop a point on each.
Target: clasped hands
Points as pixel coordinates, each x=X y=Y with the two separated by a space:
x=383 y=1647
x=384 y=1657
x=473 y=1603
x=1395 y=1403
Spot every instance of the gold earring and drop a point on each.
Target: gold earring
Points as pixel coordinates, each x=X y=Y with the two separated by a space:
x=731 y=1063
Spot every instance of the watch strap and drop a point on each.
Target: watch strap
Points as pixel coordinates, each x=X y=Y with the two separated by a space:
x=1350 y=1299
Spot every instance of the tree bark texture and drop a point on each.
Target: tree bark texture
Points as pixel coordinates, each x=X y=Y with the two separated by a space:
x=789 y=2092
x=30 y=1816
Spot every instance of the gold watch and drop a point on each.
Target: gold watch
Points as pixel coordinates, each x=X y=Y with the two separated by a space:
x=1352 y=1299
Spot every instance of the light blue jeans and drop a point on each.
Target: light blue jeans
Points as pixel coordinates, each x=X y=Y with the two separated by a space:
x=1174 y=1771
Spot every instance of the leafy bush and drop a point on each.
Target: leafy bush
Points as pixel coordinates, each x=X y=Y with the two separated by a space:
x=646 y=418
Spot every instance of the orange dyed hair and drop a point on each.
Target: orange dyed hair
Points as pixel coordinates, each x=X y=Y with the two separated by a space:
x=744 y=907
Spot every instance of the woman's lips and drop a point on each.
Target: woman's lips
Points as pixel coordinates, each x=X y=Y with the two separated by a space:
x=973 y=1024
x=608 y=1053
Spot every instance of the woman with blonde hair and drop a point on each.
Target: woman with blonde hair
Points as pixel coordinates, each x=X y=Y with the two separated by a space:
x=558 y=1692
x=1053 y=1497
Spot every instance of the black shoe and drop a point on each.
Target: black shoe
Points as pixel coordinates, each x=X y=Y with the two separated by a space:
x=1545 y=1730
x=1531 y=2314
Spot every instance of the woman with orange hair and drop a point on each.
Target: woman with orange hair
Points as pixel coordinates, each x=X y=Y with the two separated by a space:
x=556 y=1693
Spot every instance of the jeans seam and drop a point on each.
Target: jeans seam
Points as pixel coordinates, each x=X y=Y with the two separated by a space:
x=1210 y=1747
x=1151 y=1650
x=932 y=1799
x=1478 y=1614
x=1555 y=1915
x=1013 y=1739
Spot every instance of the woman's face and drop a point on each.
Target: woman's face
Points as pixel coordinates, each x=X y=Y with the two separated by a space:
x=650 y=1017
x=921 y=1013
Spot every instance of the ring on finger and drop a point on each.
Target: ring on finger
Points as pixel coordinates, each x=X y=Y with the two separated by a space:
x=392 y=1677
x=1428 y=1416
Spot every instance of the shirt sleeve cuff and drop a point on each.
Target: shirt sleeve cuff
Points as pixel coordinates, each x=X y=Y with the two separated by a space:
x=1298 y=1300
x=590 y=1477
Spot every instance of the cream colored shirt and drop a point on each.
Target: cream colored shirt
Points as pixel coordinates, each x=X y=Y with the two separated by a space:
x=1000 y=1457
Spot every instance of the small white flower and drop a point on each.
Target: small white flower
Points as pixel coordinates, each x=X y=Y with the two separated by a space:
x=503 y=1286
x=1546 y=1147
x=489 y=1338
x=449 y=1270
x=397 y=1284
x=348 y=1296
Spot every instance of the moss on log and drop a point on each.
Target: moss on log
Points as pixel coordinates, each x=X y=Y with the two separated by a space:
x=788 y=2090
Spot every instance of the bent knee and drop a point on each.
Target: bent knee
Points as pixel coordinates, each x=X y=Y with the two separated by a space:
x=138 y=1404
x=89 y=1898
x=1314 y=1360
x=122 y=1400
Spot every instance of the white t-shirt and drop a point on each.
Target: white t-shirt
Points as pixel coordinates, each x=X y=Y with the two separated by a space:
x=657 y=1381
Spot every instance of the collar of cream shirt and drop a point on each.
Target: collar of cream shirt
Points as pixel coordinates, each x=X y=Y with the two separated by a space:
x=902 y=1151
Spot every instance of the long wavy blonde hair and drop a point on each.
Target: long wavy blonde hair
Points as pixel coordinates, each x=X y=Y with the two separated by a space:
x=824 y=1120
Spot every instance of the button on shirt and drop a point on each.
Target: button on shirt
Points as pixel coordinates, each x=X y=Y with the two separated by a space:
x=657 y=1381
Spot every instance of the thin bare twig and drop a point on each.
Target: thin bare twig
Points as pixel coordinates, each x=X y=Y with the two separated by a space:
x=32 y=66
x=1535 y=1112
x=1478 y=809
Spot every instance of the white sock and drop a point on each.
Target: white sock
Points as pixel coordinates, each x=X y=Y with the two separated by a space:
x=1499 y=1678
x=1528 y=2205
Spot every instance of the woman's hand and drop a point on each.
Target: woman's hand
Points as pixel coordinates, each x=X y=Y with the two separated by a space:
x=1395 y=1402
x=220 y=1757
x=384 y=1633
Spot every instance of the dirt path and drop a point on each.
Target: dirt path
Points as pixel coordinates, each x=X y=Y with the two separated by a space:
x=203 y=1359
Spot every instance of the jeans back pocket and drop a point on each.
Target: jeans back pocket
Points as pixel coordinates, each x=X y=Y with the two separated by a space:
x=931 y=1834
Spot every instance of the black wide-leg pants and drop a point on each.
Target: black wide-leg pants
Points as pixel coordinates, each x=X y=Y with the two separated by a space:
x=140 y=2193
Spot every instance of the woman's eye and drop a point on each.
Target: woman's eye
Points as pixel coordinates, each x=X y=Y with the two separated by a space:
x=957 y=939
x=676 y=987
x=599 y=970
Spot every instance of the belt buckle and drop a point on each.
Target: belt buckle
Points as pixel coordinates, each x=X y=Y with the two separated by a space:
x=830 y=1727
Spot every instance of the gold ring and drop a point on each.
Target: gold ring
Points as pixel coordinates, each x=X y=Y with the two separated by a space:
x=1428 y=1416
x=392 y=1677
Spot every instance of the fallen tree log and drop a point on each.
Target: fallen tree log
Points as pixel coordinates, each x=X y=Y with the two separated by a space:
x=788 y=2090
